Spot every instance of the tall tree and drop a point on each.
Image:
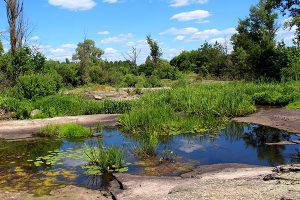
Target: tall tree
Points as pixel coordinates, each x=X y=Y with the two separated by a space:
x=87 y=53
x=291 y=8
x=14 y=13
x=256 y=37
x=155 y=50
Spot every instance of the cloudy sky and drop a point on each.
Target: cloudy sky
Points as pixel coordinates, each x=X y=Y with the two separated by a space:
x=119 y=25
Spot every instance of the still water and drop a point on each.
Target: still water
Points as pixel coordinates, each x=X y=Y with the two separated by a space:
x=238 y=143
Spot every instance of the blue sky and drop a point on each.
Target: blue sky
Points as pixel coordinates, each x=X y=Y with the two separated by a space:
x=117 y=25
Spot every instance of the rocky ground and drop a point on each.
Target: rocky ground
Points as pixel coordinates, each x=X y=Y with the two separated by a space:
x=22 y=129
x=284 y=119
x=224 y=181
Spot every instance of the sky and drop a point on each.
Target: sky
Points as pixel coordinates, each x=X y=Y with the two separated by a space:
x=118 y=25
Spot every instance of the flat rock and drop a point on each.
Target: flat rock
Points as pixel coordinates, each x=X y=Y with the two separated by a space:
x=280 y=118
x=22 y=129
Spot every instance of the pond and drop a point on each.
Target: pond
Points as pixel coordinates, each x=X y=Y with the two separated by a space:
x=238 y=143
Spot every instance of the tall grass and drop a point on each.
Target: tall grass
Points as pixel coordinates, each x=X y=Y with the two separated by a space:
x=104 y=159
x=65 y=131
x=203 y=107
x=62 y=105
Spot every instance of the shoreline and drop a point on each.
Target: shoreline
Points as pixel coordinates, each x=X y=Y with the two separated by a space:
x=24 y=129
x=218 y=181
x=279 y=118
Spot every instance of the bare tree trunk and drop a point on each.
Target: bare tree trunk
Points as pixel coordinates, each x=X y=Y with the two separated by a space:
x=132 y=56
x=14 y=13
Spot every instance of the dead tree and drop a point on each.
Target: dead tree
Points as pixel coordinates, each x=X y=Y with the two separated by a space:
x=14 y=13
x=132 y=56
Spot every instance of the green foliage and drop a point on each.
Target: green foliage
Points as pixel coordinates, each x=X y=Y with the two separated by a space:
x=65 y=131
x=256 y=41
x=38 y=85
x=1 y=48
x=155 y=51
x=22 y=107
x=208 y=60
x=87 y=53
x=72 y=105
x=203 y=107
x=103 y=159
x=148 y=145
x=68 y=72
x=290 y=59
x=294 y=105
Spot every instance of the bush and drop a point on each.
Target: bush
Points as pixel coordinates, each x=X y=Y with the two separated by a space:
x=33 y=86
x=22 y=108
x=65 y=131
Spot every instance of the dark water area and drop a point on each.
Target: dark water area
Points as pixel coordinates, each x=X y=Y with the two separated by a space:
x=238 y=143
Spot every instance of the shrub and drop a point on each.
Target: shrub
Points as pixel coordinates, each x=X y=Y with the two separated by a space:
x=33 y=86
x=65 y=131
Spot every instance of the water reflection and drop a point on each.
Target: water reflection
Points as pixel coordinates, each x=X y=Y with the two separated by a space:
x=238 y=143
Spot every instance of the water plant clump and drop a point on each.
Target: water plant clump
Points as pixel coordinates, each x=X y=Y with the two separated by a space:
x=104 y=160
x=148 y=144
x=65 y=131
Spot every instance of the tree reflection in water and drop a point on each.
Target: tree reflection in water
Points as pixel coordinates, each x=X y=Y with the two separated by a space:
x=255 y=136
x=258 y=136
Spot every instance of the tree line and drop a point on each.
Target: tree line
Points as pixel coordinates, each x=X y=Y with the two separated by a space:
x=256 y=55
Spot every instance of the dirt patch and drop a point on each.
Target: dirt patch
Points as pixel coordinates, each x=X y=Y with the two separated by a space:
x=21 y=129
x=284 y=119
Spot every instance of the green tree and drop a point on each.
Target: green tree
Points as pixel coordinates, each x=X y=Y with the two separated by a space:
x=1 y=48
x=155 y=50
x=87 y=54
x=256 y=36
x=291 y=8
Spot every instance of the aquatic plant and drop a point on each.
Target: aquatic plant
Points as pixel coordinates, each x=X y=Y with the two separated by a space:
x=148 y=144
x=202 y=108
x=101 y=159
x=65 y=131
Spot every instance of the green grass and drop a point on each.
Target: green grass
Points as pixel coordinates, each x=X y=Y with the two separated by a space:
x=203 y=107
x=62 y=105
x=65 y=131
x=148 y=144
x=102 y=159
x=294 y=105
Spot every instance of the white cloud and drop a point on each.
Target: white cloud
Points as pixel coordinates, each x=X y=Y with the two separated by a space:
x=183 y=31
x=198 y=15
x=180 y=37
x=103 y=33
x=69 y=46
x=205 y=34
x=57 y=50
x=130 y=44
x=112 y=54
x=110 y=1
x=179 y=3
x=282 y=31
x=34 y=38
x=117 y=39
x=73 y=4
x=220 y=40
